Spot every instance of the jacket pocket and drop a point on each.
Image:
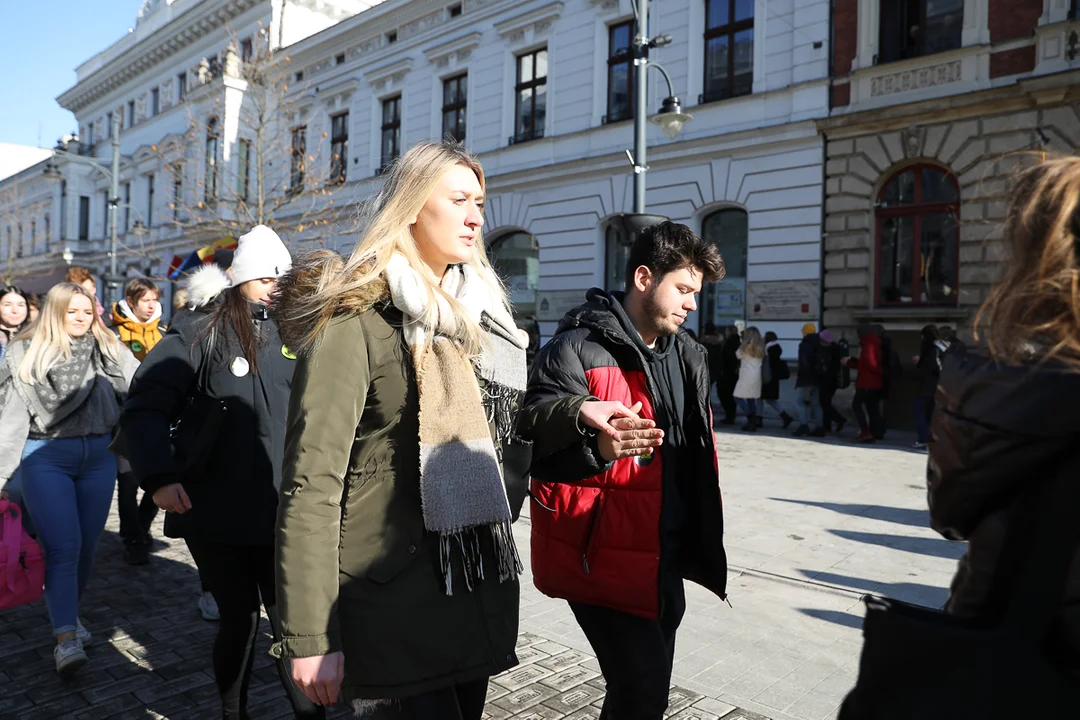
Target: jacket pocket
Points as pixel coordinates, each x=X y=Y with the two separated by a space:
x=590 y=534
x=391 y=564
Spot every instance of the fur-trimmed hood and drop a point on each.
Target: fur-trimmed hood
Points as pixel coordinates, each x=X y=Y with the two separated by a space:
x=300 y=324
x=206 y=284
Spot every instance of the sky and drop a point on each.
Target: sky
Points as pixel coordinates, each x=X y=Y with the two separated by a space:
x=41 y=43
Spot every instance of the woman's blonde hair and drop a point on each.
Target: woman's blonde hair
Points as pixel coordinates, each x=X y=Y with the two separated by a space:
x=1036 y=306
x=50 y=345
x=752 y=344
x=410 y=181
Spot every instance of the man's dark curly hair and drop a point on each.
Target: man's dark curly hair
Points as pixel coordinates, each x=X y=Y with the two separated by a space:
x=669 y=246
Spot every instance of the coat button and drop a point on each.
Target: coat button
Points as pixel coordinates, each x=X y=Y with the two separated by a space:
x=412 y=549
x=509 y=658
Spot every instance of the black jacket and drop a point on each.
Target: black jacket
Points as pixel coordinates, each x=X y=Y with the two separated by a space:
x=236 y=502
x=729 y=361
x=927 y=369
x=771 y=390
x=998 y=431
x=809 y=372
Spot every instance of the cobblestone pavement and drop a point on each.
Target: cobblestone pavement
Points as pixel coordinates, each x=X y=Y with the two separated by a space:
x=810 y=526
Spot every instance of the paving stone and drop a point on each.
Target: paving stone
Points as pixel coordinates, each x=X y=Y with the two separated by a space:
x=523 y=699
x=577 y=699
x=572 y=677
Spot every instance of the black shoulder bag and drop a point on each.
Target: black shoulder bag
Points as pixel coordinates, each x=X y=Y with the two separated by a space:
x=919 y=663
x=194 y=431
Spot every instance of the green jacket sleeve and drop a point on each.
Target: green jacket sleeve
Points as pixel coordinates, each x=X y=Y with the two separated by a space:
x=328 y=393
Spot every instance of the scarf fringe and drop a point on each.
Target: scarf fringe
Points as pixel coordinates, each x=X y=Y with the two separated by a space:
x=467 y=541
x=502 y=404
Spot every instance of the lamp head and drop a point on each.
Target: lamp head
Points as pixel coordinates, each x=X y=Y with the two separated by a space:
x=671 y=118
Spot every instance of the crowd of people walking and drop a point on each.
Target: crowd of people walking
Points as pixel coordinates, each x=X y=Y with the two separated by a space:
x=344 y=444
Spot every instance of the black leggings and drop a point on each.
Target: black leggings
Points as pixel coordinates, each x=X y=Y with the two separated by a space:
x=460 y=702
x=237 y=575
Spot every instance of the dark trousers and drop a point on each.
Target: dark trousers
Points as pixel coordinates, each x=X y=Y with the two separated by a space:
x=867 y=409
x=237 y=575
x=725 y=389
x=924 y=408
x=459 y=702
x=135 y=516
x=830 y=414
x=636 y=655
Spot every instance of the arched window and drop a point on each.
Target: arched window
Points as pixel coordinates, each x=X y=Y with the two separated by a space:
x=516 y=259
x=212 y=135
x=724 y=302
x=616 y=255
x=918 y=238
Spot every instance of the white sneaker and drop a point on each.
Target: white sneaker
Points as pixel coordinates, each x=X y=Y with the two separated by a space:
x=83 y=634
x=208 y=607
x=70 y=658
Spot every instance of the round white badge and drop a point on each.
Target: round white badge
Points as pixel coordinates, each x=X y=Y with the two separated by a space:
x=239 y=367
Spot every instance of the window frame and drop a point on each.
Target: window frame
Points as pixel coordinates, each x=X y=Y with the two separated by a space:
x=394 y=125
x=731 y=29
x=131 y=114
x=150 y=200
x=339 y=148
x=155 y=101
x=84 y=218
x=178 y=189
x=297 y=168
x=33 y=235
x=615 y=239
x=520 y=86
x=460 y=104
x=916 y=210
x=212 y=147
x=243 y=170
x=920 y=50
x=181 y=87
x=625 y=58
x=247 y=50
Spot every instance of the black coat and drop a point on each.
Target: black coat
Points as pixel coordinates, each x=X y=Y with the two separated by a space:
x=809 y=371
x=996 y=432
x=236 y=501
x=730 y=364
x=927 y=368
x=771 y=390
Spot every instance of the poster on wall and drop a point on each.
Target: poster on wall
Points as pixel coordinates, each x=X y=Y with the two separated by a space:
x=783 y=300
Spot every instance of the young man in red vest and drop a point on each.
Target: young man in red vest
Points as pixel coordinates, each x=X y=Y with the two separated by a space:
x=625 y=485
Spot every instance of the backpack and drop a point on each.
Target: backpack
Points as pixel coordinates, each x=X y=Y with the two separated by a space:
x=22 y=566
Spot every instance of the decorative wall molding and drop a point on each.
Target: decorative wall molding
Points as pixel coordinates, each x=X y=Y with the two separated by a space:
x=389 y=76
x=539 y=20
x=437 y=54
x=916 y=79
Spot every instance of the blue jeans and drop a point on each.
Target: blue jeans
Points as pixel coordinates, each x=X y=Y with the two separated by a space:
x=748 y=405
x=68 y=484
x=810 y=402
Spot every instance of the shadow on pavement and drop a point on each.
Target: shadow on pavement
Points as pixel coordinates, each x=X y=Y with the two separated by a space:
x=900 y=516
x=151 y=650
x=834 y=616
x=919 y=546
x=917 y=593
x=895 y=440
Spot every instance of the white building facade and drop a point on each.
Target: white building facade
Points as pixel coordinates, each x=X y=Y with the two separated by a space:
x=539 y=90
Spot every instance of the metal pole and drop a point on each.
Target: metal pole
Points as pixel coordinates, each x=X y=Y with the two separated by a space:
x=114 y=208
x=641 y=111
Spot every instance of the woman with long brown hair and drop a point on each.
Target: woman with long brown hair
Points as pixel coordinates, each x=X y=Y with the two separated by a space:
x=397 y=568
x=1005 y=423
x=61 y=386
x=231 y=355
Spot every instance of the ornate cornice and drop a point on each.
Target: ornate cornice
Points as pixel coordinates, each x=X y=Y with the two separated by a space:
x=171 y=39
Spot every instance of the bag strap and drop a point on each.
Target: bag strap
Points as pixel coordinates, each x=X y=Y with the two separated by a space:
x=1043 y=538
x=11 y=525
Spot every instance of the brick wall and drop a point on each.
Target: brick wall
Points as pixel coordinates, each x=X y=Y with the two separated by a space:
x=1012 y=62
x=845 y=35
x=1013 y=19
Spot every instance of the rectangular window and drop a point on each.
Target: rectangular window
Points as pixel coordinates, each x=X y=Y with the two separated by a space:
x=455 y=102
x=20 y=249
x=131 y=114
x=455 y=10
x=530 y=105
x=48 y=231
x=243 y=170
x=339 y=147
x=729 y=49
x=127 y=206
x=108 y=125
x=913 y=28
x=149 y=201
x=105 y=216
x=620 y=71
x=155 y=102
x=391 y=131
x=247 y=50
x=339 y=59
x=298 y=159
x=181 y=88
x=391 y=37
x=177 y=190
x=90 y=135
x=33 y=236
x=84 y=217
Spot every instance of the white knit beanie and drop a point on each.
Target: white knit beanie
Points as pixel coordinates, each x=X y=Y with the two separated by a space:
x=259 y=254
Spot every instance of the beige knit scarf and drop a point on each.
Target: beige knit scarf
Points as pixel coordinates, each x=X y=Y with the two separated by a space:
x=461 y=481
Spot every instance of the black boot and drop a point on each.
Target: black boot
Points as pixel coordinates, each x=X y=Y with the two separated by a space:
x=752 y=423
x=787 y=419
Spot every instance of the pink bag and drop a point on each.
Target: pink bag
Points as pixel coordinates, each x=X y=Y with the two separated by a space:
x=22 y=567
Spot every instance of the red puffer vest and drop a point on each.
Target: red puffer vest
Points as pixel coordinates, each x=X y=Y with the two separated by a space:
x=597 y=539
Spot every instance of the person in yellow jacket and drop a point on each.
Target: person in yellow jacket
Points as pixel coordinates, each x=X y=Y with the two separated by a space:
x=137 y=318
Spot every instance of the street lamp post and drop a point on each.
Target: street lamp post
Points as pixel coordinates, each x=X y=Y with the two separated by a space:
x=671 y=118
